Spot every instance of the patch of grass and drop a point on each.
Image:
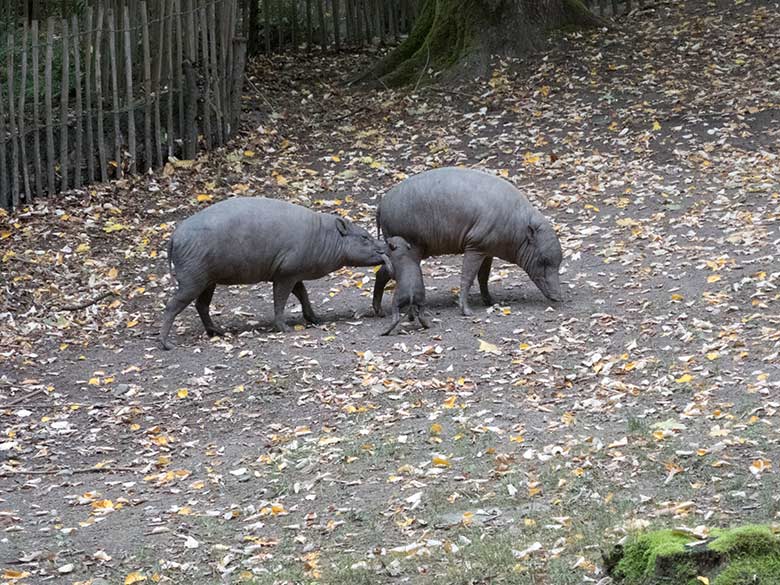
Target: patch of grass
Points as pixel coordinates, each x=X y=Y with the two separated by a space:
x=637 y=426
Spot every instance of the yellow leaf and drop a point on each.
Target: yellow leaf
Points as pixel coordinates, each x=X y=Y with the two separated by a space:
x=182 y=393
x=488 y=347
x=516 y=438
x=82 y=248
x=281 y=181
x=677 y=297
x=132 y=323
x=713 y=278
x=450 y=402
x=134 y=577
x=684 y=379
x=530 y=158
x=435 y=429
x=656 y=126
x=545 y=90
x=135 y=427
x=335 y=158
x=249 y=153
x=277 y=509
x=760 y=465
x=440 y=461
x=94 y=382
x=203 y=197
x=567 y=418
x=103 y=505
x=704 y=580
x=14 y=575
x=713 y=355
x=113 y=227
x=503 y=173
x=113 y=273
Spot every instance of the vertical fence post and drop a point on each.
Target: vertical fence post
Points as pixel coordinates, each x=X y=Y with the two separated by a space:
x=179 y=71
x=239 y=60
x=336 y=25
x=115 y=92
x=22 y=133
x=77 y=161
x=206 y=111
x=5 y=196
x=147 y=88
x=308 y=26
x=294 y=18
x=101 y=136
x=156 y=84
x=191 y=134
x=12 y=123
x=64 y=91
x=214 y=75
x=322 y=24
x=36 y=113
x=49 y=114
x=129 y=105
x=88 y=89
x=169 y=80
x=267 y=26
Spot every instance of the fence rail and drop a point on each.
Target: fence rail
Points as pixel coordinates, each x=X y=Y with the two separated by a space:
x=117 y=89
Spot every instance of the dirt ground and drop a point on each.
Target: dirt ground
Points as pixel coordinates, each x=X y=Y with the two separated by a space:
x=510 y=447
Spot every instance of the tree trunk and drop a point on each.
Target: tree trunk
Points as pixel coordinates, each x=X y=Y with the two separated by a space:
x=449 y=32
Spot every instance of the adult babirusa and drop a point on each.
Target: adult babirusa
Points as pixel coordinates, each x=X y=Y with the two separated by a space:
x=245 y=240
x=457 y=210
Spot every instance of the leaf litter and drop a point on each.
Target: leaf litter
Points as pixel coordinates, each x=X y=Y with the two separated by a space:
x=507 y=446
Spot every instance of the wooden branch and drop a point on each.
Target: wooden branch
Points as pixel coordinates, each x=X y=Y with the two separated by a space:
x=66 y=471
x=88 y=302
x=23 y=398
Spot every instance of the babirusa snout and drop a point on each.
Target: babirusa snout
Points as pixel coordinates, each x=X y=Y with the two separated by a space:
x=550 y=285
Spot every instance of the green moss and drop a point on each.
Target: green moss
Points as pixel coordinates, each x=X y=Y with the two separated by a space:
x=639 y=555
x=751 y=539
x=752 y=553
x=738 y=556
x=764 y=569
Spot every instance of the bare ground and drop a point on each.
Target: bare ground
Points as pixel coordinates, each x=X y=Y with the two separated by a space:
x=505 y=448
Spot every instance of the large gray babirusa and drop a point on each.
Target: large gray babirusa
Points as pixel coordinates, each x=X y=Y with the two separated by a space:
x=246 y=240
x=457 y=210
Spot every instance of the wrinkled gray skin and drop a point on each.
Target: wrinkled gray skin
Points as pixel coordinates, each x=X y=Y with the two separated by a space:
x=454 y=210
x=246 y=240
x=409 y=296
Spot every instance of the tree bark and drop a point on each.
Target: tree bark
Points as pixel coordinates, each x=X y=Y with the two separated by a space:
x=467 y=32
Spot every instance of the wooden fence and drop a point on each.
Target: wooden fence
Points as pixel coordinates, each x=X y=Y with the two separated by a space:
x=281 y=25
x=117 y=89
x=614 y=7
x=275 y=26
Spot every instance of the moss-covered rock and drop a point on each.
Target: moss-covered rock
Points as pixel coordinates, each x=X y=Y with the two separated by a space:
x=737 y=556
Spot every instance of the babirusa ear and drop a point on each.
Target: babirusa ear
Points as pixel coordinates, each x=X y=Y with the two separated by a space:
x=531 y=233
x=341 y=226
x=408 y=246
x=392 y=246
